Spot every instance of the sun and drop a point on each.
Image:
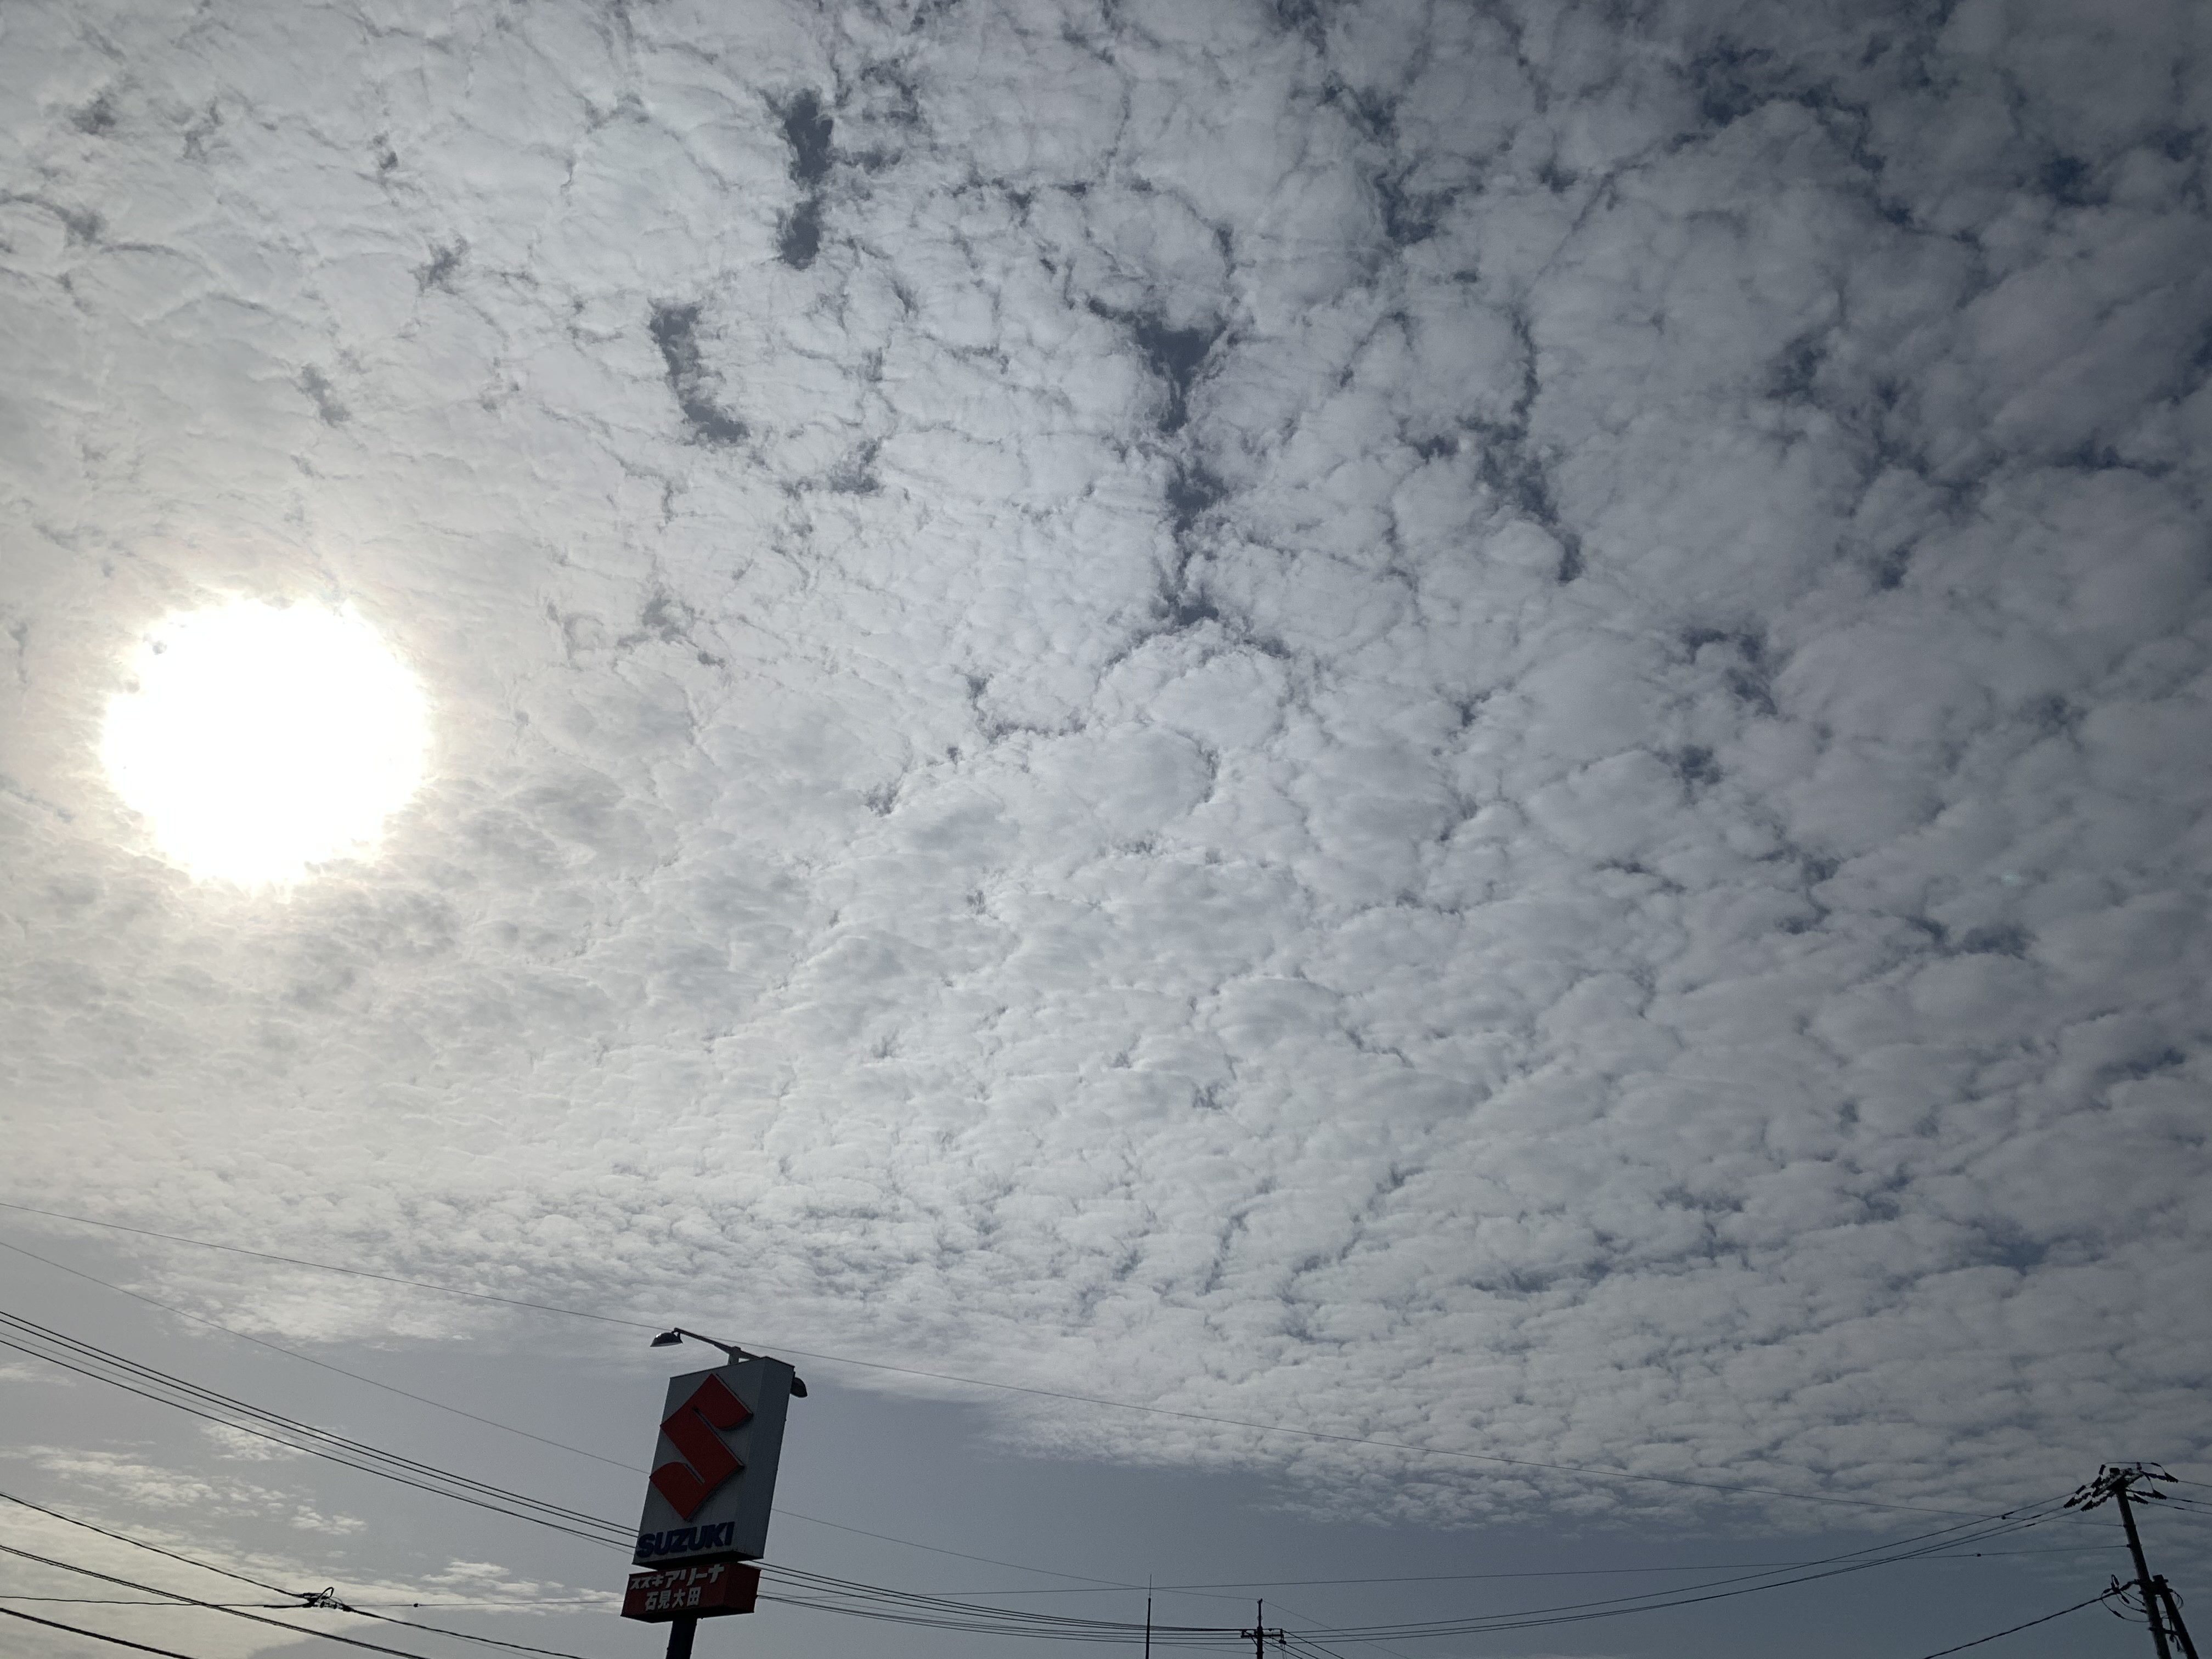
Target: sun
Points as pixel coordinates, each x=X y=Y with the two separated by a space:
x=259 y=740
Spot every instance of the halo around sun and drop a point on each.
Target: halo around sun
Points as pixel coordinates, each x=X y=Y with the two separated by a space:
x=259 y=740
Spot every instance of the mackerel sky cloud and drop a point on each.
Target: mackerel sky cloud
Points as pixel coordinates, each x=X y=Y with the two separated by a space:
x=1486 y=725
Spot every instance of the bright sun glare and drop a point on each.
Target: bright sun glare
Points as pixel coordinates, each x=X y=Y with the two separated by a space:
x=260 y=740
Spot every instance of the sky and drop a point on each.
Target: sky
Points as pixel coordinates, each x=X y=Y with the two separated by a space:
x=1483 y=726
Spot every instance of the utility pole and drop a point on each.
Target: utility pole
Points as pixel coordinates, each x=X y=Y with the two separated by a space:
x=2173 y=1618
x=1259 y=1632
x=2160 y=1606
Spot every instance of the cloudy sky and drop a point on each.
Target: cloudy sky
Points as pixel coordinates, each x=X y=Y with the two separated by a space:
x=1486 y=725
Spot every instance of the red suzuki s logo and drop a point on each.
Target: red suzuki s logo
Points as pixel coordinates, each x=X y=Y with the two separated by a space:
x=691 y=1428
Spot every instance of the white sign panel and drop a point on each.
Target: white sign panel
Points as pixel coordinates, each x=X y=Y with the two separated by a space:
x=713 y=1468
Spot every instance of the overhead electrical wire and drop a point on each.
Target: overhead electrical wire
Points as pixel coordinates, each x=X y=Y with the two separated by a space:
x=140 y=1543
x=2102 y=1595
x=544 y=1440
x=97 y=1636
x=1592 y=1471
x=821 y=1592
x=302 y=1600
x=1118 y=1587
x=309 y=1359
x=88 y=1360
x=1090 y=1586
x=305 y=1604
x=178 y=1596
x=130 y=1600
x=1686 y=1596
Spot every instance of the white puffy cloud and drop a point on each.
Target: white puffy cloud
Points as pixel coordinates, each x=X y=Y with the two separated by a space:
x=1485 y=726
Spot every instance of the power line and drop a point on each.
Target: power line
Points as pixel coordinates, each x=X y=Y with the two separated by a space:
x=1593 y=1471
x=1091 y=1585
x=140 y=1543
x=941 y=1613
x=332 y=1268
x=1578 y=1612
x=275 y=1347
x=288 y=1431
x=2100 y=1596
x=323 y=1599
x=299 y=1601
x=130 y=1602
x=802 y=1588
x=1530 y=1572
x=325 y=1364
x=543 y=1520
x=798 y=1588
x=79 y=1630
x=213 y=1607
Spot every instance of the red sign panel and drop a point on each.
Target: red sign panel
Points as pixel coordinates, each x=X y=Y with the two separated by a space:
x=690 y=1429
x=696 y=1592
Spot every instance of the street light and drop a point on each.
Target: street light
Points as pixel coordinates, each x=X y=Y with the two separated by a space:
x=670 y=1338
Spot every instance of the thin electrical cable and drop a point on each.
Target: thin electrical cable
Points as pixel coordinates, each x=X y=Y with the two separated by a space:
x=332 y=1268
x=367 y=1469
x=140 y=1543
x=309 y=1359
x=1091 y=1584
x=991 y=1618
x=178 y=1596
x=320 y=1443
x=1684 y=1596
x=292 y=1426
x=873 y=1601
x=131 y=1601
x=1592 y=1471
x=785 y=1512
x=2016 y=1628
x=1576 y=1613
x=79 y=1630
x=842 y=1595
x=943 y=1613
x=296 y=1597
x=1104 y=1589
x=454 y=1635
x=1316 y=1624
x=298 y=1605
x=1102 y=1584
x=876 y=1602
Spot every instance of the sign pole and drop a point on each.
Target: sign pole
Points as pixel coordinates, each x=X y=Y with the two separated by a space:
x=680 y=1633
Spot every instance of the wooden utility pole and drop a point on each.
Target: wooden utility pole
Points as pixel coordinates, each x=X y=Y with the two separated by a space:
x=2150 y=1596
x=2173 y=1618
x=2120 y=1481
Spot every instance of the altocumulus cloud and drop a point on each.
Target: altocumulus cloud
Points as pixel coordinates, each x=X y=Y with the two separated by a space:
x=1480 y=724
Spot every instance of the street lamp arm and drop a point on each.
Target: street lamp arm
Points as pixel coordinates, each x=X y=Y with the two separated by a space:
x=676 y=1333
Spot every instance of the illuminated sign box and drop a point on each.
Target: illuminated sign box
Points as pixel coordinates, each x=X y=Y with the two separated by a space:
x=713 y=1468
x=703 y=1591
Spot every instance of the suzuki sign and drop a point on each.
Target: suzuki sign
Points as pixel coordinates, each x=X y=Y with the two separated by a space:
x=714 y=1469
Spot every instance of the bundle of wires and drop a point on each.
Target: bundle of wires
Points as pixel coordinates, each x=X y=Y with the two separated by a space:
x=56 y=1347
x=797 y=1586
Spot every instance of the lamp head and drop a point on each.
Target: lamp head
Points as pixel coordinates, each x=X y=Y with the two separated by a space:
x=668 y=1339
